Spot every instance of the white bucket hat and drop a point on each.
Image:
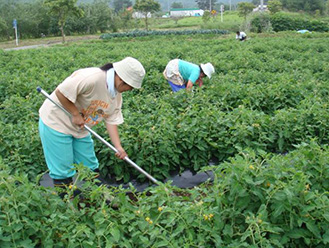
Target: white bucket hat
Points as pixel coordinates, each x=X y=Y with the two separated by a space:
x=208 y=69
x=131 y=71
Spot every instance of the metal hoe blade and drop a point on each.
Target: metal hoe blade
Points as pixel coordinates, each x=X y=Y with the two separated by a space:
x=40 y=90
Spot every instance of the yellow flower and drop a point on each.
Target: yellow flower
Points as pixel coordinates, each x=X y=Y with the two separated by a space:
x=72 y=187
x=138 y=212
x=149 y=220
x=160 y=209
x=251 y=167
x=255 y=125
x=208 y=217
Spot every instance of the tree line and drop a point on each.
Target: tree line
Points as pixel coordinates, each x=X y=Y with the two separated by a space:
x=51 y=17
x=41 y=18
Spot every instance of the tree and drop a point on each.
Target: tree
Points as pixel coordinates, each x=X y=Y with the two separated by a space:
x=205 y=4
x=206 y=16
x=176 y=19
x=304 y=5
x=3 y=27
x=126 y=18
x=32 y=19
x=274 y=6
x=145 y=7
x=8 y=12
x=62 y=9
x=176 y=5
x=317 y=5
x=105 y=16
x=121 y=4
x=257 y=2
x=245 y=8
x=99 y=16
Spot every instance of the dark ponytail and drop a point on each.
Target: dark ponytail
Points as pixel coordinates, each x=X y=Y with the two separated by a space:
x=201 y=69
x=106 y=67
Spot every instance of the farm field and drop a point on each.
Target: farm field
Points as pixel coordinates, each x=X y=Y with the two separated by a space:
x=263 y=116
x=232 y=21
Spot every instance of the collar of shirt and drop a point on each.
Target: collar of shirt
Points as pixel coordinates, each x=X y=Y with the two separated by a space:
x=110 y=83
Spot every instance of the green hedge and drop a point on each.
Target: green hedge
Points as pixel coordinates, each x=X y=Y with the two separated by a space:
x=139 y=33
x=283 y=22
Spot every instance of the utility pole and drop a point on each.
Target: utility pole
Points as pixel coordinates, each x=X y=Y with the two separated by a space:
x=15 y=27
x=261 y=5
x=210 y=6
x=221 y=12
x=230 y=5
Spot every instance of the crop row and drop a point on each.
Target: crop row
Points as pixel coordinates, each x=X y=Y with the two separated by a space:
x=264 y=201
x=140 y=33
x=260 y=97
x=264 y=116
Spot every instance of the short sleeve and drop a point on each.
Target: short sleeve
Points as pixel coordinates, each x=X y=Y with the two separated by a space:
x=75 y=85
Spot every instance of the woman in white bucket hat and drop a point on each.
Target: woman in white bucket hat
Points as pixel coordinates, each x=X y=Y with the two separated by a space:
x=181 y=74
x=241 y=36
x=91 y=95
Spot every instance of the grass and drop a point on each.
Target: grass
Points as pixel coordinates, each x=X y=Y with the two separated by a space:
x=45 y=41
x=231 y=21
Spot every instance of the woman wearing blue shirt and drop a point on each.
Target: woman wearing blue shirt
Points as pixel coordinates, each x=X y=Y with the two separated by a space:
x=183 y=75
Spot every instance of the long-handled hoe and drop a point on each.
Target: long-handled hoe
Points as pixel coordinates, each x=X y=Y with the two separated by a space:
x=40 y=90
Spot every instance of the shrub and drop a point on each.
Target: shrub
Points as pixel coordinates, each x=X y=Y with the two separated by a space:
x=282 y=21
x=261 y=23
x=138 y=33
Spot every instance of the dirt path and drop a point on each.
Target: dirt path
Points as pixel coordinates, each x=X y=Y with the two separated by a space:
x=43 y=42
